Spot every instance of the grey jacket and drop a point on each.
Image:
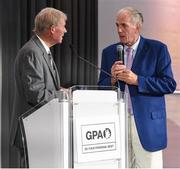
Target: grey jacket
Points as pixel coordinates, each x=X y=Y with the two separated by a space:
x=36 y=82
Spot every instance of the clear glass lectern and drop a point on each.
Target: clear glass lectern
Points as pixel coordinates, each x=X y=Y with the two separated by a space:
x=85 y=127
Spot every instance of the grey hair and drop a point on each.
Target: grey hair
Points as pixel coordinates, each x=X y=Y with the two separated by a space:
x=136 y=16
x=46 y=18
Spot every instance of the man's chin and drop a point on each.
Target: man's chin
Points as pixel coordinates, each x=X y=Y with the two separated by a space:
x=60 y=41
x=122 y=40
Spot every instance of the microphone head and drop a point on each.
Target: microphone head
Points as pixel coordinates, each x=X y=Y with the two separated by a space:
x=120 y=52
x=119 y=47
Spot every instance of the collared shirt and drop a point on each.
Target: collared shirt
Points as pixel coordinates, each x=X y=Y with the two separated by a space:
x=48 y=52
x=128 y=101
x=44 y=44
x=134 y=47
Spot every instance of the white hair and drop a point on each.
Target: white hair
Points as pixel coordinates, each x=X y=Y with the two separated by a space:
x=136 y=16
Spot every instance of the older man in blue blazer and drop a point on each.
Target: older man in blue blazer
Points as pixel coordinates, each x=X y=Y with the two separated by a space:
x=146 y=77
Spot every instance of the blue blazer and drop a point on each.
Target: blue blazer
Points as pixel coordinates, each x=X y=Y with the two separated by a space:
x=152 y=64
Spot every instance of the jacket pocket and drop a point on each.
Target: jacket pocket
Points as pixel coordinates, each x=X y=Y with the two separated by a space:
x=157 y=114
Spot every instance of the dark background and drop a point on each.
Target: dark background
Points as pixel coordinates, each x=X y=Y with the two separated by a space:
x=17 y=22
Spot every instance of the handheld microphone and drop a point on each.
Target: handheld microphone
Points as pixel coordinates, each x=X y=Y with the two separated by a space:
x=120 y=52
x=88 y=62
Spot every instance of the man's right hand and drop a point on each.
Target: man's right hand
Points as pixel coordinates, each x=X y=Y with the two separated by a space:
x=116 y=69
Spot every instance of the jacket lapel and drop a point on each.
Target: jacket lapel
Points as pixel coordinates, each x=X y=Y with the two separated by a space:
x=141 y=50
x=54 y=73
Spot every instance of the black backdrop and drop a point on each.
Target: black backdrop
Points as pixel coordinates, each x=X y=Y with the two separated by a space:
x=17 y=21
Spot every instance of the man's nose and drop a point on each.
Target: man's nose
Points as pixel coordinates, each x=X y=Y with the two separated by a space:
x=65 y=30
x=119 y=29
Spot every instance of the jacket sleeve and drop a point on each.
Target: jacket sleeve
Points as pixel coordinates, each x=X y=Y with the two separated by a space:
x=162 y=82
x=105 y=79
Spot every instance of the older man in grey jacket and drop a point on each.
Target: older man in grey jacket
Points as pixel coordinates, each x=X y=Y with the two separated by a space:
x=36 y=75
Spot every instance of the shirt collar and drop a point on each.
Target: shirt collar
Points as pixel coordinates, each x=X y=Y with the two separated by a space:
x=135 y=46
x=44 y=44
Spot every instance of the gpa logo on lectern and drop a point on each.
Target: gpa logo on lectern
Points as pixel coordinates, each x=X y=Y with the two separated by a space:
x=98 y=134
x=98 y=137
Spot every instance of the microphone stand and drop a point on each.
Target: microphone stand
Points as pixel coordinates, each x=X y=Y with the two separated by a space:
x=93 y=65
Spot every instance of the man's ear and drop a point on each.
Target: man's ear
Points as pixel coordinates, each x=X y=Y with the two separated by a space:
x=138 y=27
x=52 y=28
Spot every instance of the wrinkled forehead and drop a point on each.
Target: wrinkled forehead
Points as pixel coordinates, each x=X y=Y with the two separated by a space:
x=123 y=16
x=62 y=21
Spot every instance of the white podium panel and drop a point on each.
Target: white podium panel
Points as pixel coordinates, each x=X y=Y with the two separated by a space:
x=96 y=128
x=45 y=140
